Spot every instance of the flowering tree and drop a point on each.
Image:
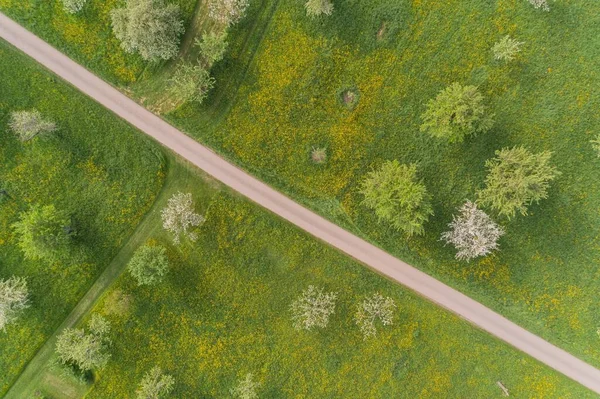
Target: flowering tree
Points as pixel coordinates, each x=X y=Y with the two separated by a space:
x=73 y=6
x=397 y=197
x=227 y=12
x=155 y=385
x=149 y=27
x=456 y=112
x=179 y=216
x=14 y=298
x=473 y=233
x=516 y=178
x=246 y=388
x=28 y=124
x=85 y=351
x=313 y=308
x=540 y=4
x=506 y=49
x=316 y=8
x=373 y=308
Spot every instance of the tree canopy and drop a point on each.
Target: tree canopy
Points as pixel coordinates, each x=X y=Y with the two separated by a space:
x=397 y=197
x=149 y=27
x=516 y=178
x=43 y=232
x=456 y=112
x=149 y=264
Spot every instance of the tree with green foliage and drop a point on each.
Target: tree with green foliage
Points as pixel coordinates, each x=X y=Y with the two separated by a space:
x=212 y=47
x=149 y=27
x=316 y=8
x=456 y=112
x=28 y=124
x=43 y=232
x=14 y=298
x=397 y=197
x=516 y=178
x=506 y=48
x=149 y=264
x=191 y=83
x=73 y=6
x=155 y=385
x=246 y=388
x=84 y=351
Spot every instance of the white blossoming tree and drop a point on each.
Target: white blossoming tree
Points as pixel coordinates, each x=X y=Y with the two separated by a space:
x=373 y=308
x=155 y=385
x=28 y=124
x=227 y=12
x=313 y=308
x=179 y=216
x=540 y=4
x=506 y=48
x=73 y=6
x=14 y=298
x=246 y=388
x=473 y=233
x=316 y=8
x=85 y=351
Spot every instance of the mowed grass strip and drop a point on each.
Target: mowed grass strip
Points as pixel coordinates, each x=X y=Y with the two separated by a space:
x=223 y=312
x=95 y=167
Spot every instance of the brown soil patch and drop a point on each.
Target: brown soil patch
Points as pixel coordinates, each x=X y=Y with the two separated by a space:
x=381 y=31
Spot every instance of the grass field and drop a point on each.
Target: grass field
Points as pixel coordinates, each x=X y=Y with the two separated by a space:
x=95 y=167
x=398 y=55
x=222 y=312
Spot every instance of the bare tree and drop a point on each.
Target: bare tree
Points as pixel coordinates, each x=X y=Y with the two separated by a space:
x=155 y=385
x=316 y=8
x=179 y=216
x=246 y=388
x=313 y=308
x=73 y=6
x=506 y=48
x=14 y=298
x=473 y=233
x=28 y=124
x=373 y=308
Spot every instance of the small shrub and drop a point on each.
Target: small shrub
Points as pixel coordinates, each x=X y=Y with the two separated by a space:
x=212 y=47
x=191 y=83
x=456 y=112
x=316 y=8
x=149 y=264
x=506 y=49
x=73 y=6
x=397 y=197
x=318 y=155
x=246 y=388
x=516 y=178
x=540 y=4
x=596 y=145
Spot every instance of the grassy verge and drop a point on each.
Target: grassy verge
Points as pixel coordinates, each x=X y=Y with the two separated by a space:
x=94 y=167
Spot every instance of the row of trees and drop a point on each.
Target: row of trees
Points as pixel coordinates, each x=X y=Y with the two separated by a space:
x=314 y=307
